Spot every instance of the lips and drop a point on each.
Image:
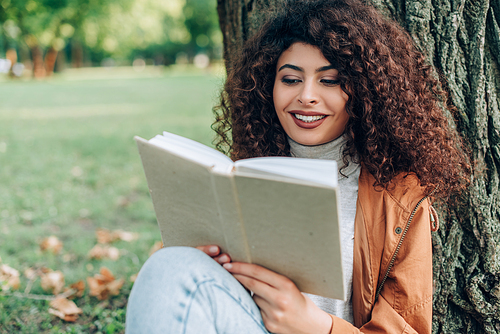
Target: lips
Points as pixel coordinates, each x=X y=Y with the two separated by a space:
x=307 y=119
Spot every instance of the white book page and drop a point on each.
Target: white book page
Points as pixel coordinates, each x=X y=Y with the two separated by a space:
x=194 y=151
x=323 y=172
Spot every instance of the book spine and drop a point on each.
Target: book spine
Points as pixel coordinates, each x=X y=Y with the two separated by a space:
x=231 y=221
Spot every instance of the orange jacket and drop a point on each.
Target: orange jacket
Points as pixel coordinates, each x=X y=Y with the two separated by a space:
x=392 y=236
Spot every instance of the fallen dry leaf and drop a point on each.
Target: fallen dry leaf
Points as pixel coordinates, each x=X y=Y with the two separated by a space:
x=9 y=278
x=31 y=273
x=104 y=284
x=52 y=244
x=52 y=281
x=46 y=270
x=78 y=287
x=65 y=309
x=156 y=247
x=106 y=274
x=126 y=236
x=105 y=236
x=104 y=251
x=63 y=316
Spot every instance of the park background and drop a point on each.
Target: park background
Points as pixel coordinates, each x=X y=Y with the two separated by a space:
x=78 y=79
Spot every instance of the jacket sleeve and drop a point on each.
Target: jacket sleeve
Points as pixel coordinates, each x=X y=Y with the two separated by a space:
x=384 y=320
x=405 y=302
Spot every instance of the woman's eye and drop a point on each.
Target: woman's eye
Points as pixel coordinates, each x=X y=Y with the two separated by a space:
x=288 y=81
x=330 y=82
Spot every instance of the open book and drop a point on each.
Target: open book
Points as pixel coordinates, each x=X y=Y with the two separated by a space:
x=278 y=212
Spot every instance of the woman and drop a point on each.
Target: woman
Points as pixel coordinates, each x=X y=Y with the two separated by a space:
x=329 y=80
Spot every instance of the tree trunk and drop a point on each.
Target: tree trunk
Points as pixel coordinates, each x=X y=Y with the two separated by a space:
x=239 y=19
x=60 y=61
x=76 y=54
x=38 y=64
x=50 y=60
x=11 y=55
x=462 y=40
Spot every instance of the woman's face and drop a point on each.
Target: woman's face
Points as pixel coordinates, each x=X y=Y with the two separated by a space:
x=307 y=96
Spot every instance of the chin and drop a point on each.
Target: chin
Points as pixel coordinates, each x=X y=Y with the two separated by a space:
x=310 y=141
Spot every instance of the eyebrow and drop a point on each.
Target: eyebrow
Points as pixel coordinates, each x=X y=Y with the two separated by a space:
x=300 y=69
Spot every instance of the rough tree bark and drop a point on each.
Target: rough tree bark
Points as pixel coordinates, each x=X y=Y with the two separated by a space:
x=462 y=40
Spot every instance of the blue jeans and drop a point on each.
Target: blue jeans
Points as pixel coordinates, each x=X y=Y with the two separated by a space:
x=183 y=290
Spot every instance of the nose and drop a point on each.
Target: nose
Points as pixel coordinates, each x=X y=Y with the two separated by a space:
x=308 y=95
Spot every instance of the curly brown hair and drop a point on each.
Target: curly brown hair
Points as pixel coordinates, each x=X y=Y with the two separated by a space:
x=396 y=105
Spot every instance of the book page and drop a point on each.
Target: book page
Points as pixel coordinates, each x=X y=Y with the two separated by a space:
x=321 y=172
x=194 y=206
x=183 y=198
x=194 y=151
x=293 y=229
x=230 y=218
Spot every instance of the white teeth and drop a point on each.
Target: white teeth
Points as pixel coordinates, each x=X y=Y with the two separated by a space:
x=309 y=119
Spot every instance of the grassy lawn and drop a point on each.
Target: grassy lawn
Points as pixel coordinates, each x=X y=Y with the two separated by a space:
x=69 y=165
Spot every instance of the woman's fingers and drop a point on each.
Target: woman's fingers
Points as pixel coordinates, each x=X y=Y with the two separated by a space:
x=265 y=307
x=215 y=252
x=223 y=258
x=211 y=250
x=259 y=273
x=259 y=288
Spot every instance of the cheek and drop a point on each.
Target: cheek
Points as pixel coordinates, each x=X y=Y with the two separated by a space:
x=344 y=95
x=279 y=107
x=338 y=101
x=282 y=97
x=277 y=98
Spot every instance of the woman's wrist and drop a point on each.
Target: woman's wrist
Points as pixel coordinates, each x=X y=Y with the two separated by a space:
x=327 y=323
x=322 y=321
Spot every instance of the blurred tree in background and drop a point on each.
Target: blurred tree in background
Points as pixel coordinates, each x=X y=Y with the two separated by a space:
x=48 y=35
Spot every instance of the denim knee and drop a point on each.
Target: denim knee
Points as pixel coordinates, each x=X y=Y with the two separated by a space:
x=186 y=255
x=177 y=262
x=181 y=288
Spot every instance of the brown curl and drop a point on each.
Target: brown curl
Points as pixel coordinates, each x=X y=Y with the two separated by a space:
x=396 y=105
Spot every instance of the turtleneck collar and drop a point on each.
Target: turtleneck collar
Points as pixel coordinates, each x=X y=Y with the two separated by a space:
x=327 y=151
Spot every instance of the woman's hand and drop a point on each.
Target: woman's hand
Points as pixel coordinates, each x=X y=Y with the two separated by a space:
x=214 y=252
x=283 y=307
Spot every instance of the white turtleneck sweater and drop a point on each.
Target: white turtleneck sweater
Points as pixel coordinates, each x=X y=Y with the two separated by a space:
x=348 y=186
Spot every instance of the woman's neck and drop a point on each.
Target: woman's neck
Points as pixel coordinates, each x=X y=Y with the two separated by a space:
x=328 y=151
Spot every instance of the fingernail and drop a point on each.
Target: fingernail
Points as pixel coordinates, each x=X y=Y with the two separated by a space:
x=223 y=259
x=227 y=266
x=213 y=249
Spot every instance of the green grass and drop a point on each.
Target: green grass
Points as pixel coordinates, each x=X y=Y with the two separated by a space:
x=68 y=163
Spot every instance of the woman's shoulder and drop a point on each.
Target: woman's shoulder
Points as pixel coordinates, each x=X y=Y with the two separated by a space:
x=404 y=190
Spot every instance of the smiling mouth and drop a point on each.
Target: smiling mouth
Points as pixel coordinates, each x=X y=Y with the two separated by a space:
x=308 y=119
